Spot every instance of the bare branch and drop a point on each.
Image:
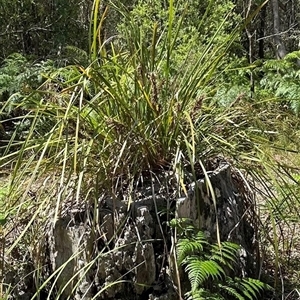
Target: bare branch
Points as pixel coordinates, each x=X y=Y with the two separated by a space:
x=277 y=34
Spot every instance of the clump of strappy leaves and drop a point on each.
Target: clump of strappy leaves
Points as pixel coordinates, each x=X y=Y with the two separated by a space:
x=211 y=266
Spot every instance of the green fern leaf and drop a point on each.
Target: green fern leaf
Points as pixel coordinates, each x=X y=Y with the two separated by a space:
x=295 y=105
x=196 y=295
x=203 y=294
x=199 y=271
x=226 y=254
x=77 y=55
x=277 y=65
x=292 y=56
x=204 y=264
x=254 y=286
x=187 y=247
x=231 y=291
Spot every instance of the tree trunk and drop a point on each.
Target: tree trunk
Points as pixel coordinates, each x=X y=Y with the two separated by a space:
x=280 y=47
x=130 y=254
x=251 y=37
x=261 y=32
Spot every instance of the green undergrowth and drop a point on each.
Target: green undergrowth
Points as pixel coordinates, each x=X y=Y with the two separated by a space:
x=3 y=199
x=211 y=267
x=92 y=127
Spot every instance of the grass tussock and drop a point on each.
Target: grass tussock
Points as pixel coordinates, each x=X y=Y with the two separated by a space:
x=127 y=111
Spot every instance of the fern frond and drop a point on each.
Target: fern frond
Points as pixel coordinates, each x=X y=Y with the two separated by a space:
x=231 y=291
x=254 y=286
x=204 y=264
x=187 y=247
x=202 y=294
x=288 y=89
x=292 y=56
x=4 y=83
x=78 y=55
x=199 y=271
x=196 y=295
x=277 y=65
x=226 y=254
x=297 y=74
x=184 y=226
x=249 y=291
x=248 y=287
x=295 y=105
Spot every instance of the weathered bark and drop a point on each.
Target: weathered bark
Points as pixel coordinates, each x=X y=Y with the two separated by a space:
x=227 y=215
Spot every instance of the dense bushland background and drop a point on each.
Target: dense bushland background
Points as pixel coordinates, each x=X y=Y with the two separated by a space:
x=94 y=90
